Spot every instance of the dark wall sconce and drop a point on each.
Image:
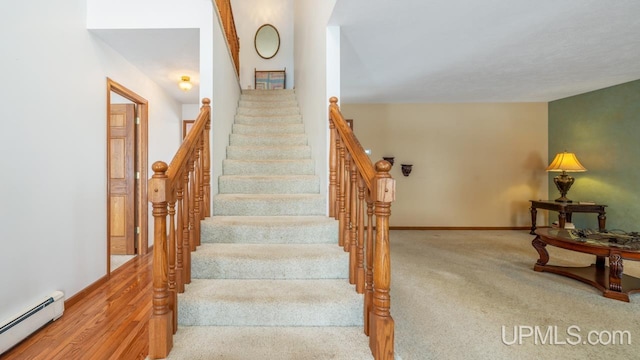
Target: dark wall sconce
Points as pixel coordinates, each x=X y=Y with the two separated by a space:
x=389 y=159
x=406 y=169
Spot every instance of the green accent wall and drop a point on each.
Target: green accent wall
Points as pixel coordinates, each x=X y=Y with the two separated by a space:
x=602 y=128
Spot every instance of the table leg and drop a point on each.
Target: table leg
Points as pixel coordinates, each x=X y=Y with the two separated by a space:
x=534 y=213
x=615 y=272
x=602 y=219
x=562 y=219
x=600 y=262
x=540 y=246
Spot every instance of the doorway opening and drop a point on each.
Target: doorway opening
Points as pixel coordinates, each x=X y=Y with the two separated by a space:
x=127 y=159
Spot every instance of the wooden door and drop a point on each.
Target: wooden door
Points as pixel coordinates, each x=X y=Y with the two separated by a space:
x=122 y=196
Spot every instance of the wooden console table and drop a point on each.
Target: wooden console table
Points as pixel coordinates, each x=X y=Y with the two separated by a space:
x=565 y=210
x=608 y=279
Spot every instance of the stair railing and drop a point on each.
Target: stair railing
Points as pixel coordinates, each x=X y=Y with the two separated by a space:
x=353 y=180
x=185 y=184
x=229 y=25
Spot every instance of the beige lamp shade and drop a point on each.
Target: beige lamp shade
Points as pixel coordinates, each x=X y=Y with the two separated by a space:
x=566 y=161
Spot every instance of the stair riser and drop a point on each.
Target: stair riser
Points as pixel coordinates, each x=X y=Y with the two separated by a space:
x=268 y=98
x=265 y=140
x=268 y=207
x=276 y=97
x=270 y=231
x=268 y=129
x=268 y=92
x=228 y=185
x=292 y=268
x=268 y=153
x=247 y=314
x=257 y=167
x=321 y=302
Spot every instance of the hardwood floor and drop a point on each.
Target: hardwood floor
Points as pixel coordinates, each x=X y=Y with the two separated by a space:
x=108 y=323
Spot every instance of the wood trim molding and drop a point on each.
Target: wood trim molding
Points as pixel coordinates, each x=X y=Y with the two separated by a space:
x=142 y=165
x=459 y=227
x=77 y=297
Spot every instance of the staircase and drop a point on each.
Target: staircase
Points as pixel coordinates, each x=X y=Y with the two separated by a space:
x=269 y=280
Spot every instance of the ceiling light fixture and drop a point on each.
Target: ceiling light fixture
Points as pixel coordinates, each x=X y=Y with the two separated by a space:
x=185 y=83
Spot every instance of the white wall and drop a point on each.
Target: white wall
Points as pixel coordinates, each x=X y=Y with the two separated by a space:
x=249 y=15
x=226 y=93
x=474 y=165
x=53 y=220
x=310 y=54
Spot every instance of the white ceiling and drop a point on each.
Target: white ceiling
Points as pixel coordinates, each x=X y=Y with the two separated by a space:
x=485 y=51
x=164 y=55
x=442 y=50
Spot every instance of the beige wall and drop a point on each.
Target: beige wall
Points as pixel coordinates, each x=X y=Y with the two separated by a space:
x=474 y=164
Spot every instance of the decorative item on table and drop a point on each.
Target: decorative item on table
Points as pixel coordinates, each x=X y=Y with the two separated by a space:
x=565 y=162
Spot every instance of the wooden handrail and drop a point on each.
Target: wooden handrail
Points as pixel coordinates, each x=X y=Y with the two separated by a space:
x=181 y=192
x=354 y=181
x=229 y=25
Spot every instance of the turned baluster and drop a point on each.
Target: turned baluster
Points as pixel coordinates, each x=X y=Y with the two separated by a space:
x=160 y=324
x=353 y=220
x=381 y=326
x=360 y=232
x=192 y=204
x=207 y=160
x=341 y=190
x=368 y=283
x=179 y=237
x=186 y=230
x=347 y=202
x=171 y=256
x=197 y=192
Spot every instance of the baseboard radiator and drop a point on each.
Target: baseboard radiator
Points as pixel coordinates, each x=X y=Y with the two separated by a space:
x=25 y=323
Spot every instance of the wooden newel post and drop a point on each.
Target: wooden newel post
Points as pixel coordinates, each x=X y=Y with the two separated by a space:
x=381 y=325
x=160 y=324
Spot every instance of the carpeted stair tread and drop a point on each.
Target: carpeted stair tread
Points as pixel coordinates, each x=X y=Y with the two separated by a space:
x=270 y=303
x=268 y=111
x=269 y=261
x=247 y=152
x=281 y=343
x=268 y=184
x=270 y=230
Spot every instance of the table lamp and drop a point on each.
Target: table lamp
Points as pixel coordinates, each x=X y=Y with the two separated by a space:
x=565 y=162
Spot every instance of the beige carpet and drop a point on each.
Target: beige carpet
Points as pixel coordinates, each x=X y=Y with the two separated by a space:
x=453 y=291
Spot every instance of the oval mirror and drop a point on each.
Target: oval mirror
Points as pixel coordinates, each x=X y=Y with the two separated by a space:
x=267 y=41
